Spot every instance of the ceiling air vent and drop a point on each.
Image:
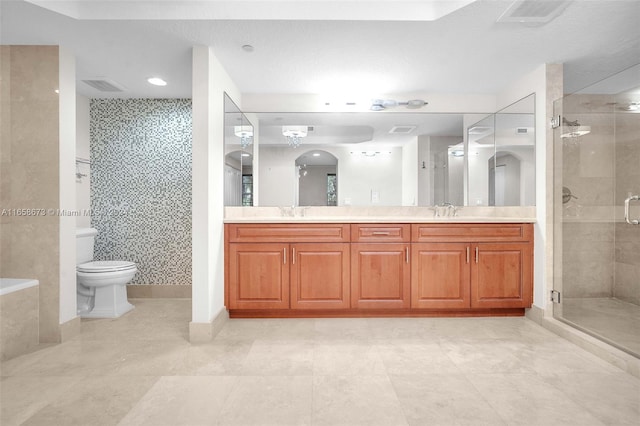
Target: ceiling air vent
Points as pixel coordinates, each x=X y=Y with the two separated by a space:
x=402 y=130
x=104 y=85
x=533 y=11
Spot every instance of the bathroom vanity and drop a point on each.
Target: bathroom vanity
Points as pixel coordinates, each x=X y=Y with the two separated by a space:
x=304 y=267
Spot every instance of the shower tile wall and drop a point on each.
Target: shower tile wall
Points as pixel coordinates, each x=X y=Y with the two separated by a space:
x=141 y=185
x=589 y=172
x=627 y=253
x=601 y=256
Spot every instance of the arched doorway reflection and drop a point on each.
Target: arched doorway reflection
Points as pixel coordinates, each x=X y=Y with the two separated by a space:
x=504 y=179
x=317 y=178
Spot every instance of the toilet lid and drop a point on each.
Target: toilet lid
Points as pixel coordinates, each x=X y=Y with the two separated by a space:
x=106 y=265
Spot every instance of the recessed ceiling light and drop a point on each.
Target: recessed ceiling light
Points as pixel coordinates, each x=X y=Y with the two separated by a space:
x=156 y=81
x=247 y=48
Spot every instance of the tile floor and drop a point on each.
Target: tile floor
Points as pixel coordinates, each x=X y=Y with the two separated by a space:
x=141 y=370
x=613 y=319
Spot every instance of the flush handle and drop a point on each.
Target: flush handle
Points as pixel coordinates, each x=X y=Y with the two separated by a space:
x=626 y=210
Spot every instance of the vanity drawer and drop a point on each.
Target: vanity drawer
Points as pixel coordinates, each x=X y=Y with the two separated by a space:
x=436 y=232
x=288 y=233
x=381 y=233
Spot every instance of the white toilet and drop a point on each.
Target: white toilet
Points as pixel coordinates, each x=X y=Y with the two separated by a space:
x=101 y=285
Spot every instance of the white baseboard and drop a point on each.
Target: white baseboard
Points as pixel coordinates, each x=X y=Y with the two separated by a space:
x=203 y=332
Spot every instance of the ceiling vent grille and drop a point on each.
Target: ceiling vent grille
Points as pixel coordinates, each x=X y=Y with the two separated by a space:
x=104 y=85
x=402 y=130
x=534 y=11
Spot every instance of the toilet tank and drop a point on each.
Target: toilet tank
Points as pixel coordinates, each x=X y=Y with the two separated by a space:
x=85 y=237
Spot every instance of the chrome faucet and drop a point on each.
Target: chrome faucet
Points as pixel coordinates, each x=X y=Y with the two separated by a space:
x=445 y=210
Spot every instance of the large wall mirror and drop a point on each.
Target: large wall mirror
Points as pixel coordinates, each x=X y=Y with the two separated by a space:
x=238 y=161
x=394 y=158
x=501 y=157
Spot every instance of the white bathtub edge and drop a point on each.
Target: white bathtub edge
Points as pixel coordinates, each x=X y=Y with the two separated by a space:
x=10 y=285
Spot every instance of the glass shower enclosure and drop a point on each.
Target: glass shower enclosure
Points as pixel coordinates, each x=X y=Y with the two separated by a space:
x=597 y=210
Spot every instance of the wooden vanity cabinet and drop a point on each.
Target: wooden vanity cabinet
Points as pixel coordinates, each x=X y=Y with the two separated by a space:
x=283 y=266
x=502 y=275
x=440 y=276
x=486 y=266
x=319 y=276
x=329 y=269
x=258 y=276
x=380 y=266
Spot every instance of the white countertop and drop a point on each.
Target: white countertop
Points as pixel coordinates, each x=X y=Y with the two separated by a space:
x=378 y=215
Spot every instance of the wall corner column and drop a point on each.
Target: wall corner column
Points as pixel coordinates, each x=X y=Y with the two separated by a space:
x=209 y=83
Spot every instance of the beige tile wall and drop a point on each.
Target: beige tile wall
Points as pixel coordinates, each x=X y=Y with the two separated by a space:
x=601 y=253
x=18 y=322
x=30 y=174
x=627 y=250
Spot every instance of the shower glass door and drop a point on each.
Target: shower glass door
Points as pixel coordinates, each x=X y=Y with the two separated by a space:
x=596 y=182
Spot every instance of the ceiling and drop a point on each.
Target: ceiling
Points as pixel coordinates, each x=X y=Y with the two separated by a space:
x=358 y=47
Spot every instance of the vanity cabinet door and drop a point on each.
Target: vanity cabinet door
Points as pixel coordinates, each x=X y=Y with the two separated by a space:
x=502 y=275
x=320 y=276
x=258 y=276
x=440 y=275
x=380 y=276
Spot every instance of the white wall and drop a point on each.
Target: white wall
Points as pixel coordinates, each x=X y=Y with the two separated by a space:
x=83 y=185
x=67 y=153
x=210 y=82
x=360 y=177
x=546 y=82
x=410 y=167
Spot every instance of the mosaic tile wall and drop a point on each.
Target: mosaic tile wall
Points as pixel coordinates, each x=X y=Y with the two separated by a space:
x=141 y=186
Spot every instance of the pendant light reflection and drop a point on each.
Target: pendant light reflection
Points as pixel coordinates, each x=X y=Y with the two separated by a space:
x=294 y=134
x=245 y=133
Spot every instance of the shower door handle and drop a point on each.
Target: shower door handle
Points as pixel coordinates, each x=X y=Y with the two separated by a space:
x=626 y=210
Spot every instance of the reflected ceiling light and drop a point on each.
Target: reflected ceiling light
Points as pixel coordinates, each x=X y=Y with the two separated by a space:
x=573 y=129
x=245 y=133
x=316 y=154
x=294 y=134
x=634 y=106
x=382 y=104
x=156 y=81
x=457 y=153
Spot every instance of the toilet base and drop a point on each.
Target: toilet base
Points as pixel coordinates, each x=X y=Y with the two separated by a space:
x=109 y=302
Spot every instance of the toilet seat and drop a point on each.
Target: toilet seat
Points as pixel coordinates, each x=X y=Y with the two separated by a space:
x=101 y=266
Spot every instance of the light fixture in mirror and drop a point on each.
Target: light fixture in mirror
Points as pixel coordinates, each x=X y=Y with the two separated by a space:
x=294 y=134
x=245 y=133
x=238 y=145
